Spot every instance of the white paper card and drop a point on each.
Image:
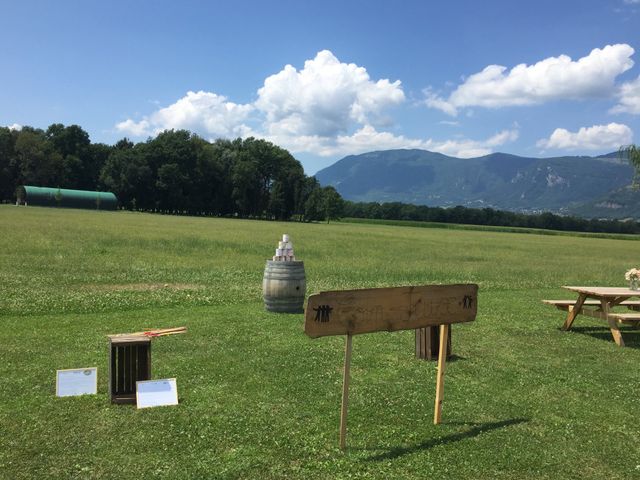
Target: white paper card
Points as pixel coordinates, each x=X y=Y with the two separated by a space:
x=156 y=393
x=76 y=381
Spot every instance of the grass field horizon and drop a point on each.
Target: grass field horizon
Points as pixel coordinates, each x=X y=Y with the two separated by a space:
x=258 y=399
x=491 y=228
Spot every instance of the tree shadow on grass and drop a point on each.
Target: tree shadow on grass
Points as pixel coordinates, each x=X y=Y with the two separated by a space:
x=474 y=431
x=631 y=336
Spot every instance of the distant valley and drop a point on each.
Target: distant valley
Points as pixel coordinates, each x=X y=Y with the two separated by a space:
x=584 y=186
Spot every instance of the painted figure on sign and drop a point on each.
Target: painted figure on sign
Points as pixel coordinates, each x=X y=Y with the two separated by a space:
x=467 y=302
x=322 y=313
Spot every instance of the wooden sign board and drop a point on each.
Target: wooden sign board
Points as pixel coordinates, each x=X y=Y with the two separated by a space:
x=351 y=312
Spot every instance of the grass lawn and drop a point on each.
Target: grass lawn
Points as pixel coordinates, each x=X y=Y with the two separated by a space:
x=258 y=399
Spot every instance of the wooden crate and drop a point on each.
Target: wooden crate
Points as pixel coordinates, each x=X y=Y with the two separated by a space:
x=428 y=343
x=129 y=362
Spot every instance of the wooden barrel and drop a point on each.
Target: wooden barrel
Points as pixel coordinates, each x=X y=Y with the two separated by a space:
x=284 y=286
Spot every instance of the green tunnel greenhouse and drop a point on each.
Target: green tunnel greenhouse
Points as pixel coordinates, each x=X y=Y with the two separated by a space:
x=62 y=197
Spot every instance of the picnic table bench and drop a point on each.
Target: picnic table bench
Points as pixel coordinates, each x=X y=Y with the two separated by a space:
x=598 y=302
x=567 y=305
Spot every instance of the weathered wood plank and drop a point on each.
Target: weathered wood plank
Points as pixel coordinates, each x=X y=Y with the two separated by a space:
x=626 y=317
x=567 y=305
x=121 y=361
x=604 y=291
x=623 y=317
x=389 y=309
x=112 y=371
x=564 y=304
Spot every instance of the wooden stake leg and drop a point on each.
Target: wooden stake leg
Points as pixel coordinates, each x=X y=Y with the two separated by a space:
x=442 y=358
x=574 y=311
x=345 y=392
x=613 y=325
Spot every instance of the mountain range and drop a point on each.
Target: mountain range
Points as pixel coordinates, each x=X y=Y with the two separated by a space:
x=578 y=185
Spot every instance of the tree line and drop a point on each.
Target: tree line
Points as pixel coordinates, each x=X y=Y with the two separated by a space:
x=182 y=173
x=485 y=216
x=175 y=172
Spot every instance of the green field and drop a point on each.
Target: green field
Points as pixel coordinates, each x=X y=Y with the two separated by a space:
x=258 y=399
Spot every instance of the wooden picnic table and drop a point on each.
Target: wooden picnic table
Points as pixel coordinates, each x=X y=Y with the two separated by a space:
x=598 y=302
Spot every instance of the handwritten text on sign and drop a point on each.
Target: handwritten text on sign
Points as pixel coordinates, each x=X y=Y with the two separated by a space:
x=388 y=309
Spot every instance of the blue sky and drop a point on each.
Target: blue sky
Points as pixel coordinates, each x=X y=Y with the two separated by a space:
x=328 y=79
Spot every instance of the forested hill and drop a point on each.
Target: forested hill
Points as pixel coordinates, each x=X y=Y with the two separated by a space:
x=499 y=181
x=177 y=171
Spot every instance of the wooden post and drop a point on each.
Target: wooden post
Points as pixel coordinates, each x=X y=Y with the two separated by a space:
x=573 y=312
x=442 y=358
x=613 y=324
x=345 y=392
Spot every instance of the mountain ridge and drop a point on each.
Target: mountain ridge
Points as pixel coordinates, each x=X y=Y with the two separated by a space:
x=567 y=184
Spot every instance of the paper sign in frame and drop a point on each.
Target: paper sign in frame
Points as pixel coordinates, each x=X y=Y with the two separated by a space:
x=174 y=389
x=94 y=374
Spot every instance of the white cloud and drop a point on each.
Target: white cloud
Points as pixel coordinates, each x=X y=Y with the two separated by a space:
x=368 y=138
x=326 y=98
x=597 y=137
x=465 y=148
x=434 y=101
x=14 y=126
x=554 y=78
x=327 y=108
x=136 y=129
x=308 y=107
x=628 y=98
x=205 y=113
